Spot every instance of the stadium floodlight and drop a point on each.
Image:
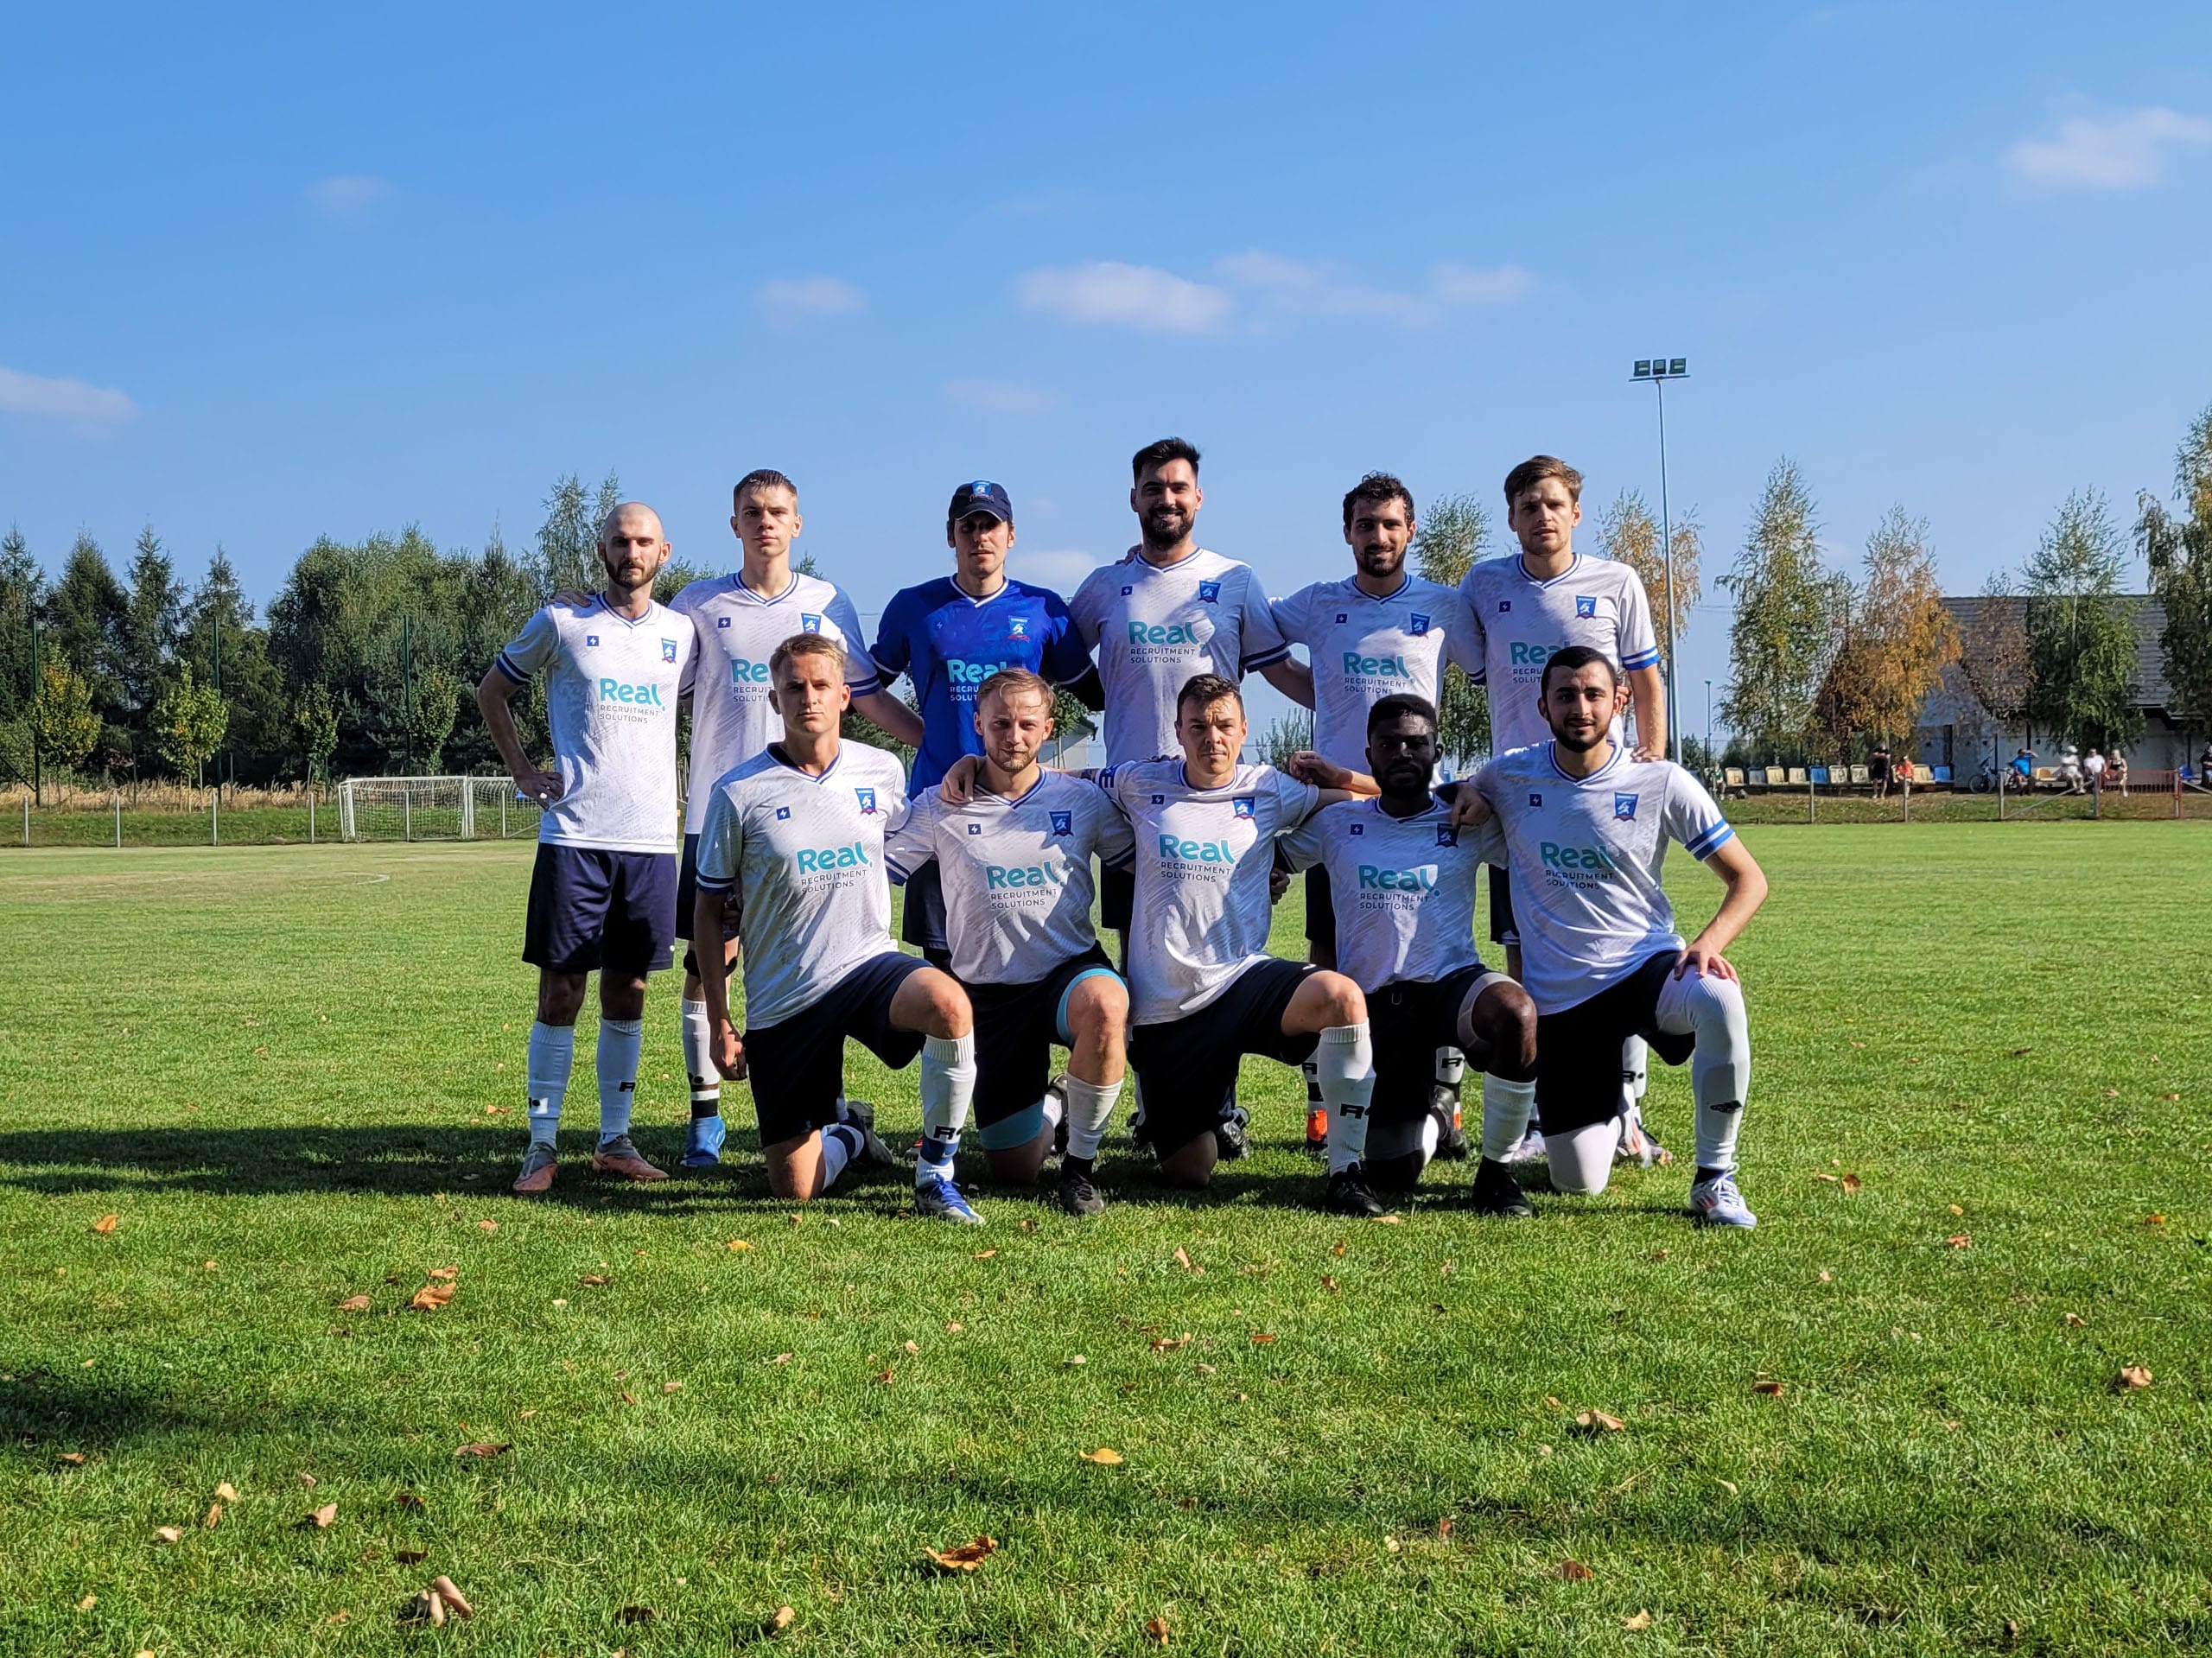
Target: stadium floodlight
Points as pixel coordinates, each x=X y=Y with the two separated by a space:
x=1658 y=371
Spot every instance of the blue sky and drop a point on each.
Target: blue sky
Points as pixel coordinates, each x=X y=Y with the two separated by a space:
x=328 y=271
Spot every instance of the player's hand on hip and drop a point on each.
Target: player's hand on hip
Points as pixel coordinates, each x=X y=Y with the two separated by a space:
x=1709 y=962
x=729 y=1051
x=958 y=787
x=1469 y=809
x=544 y=787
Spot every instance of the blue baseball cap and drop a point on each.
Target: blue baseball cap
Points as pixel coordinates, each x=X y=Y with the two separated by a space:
x=981 y=496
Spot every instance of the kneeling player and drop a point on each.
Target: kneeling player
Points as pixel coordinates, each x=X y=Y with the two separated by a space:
x=1401 y=881
x=1587 y=828
x=1014 y=863
x=792 y=848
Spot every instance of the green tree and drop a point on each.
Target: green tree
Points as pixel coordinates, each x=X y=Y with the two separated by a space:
x=1789 y=621
x=151 y=621
x=314 y=718
x=1290 y=732
x=1899 y=639
x=21 y=592
x=62 y=720
x=2081 y=628
x=567 y=541
x=1448 y=537
x=188 y=724
x=2176 y=547
x=429 y=716
x=86 y=612
x=1630 y=533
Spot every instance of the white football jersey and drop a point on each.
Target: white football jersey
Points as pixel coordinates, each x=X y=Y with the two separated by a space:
x=1599 y=602
x=1016 y=873
x=1203 y=860
x=805 y=856
x=612 y=686
x=1364 y=649
x=733 y=714
x=1403 y=888
x=1586 y=854
x=1154 y=626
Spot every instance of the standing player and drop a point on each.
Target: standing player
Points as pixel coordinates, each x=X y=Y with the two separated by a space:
x=1016 y=867
x=602 y=893
x=741 y=618
x=950 y=635
x=1403 y=877
x=792 y=853
x=1172 y=610
x=1528 y=605
x=1382 y=632
x=1587 y=826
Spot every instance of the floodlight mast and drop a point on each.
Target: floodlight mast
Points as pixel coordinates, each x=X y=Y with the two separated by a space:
x=1659 y=371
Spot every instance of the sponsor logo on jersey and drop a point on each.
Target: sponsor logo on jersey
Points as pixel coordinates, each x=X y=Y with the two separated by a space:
x=809 y=623
x=1555 y=857
x=1530 y=655
x=1419 y=879
x=1446 y=836
x=814 y=860
x=668 y=650
x=998 y=877
x=743 y=670
x=1169 y=633
x=1242 y=805
x=1624 y=806
x=621 y=690
x=1177 y=849
x=1209 y=593
x=867 y=797
x=1584 y=606
x=1063 y=822
x=1376 y=667
x=963 y=672
x=1418 y=626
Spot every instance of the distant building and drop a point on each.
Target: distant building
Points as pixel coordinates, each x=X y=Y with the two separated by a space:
x=1954 y=730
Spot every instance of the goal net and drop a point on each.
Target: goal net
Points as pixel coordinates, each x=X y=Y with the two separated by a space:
x=433 y=809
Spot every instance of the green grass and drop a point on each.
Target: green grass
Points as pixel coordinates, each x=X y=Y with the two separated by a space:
x=273 y=1066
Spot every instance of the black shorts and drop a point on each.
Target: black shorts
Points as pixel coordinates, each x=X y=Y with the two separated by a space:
x=1186 y=1067
x=612 y=911
x=797 y=1065
x=1117 y=896
x=1578 y=1049
x=1017 y=1025
x=1409 y=1020
x=1320 y=912
x=921 y=921
x=1501 y=906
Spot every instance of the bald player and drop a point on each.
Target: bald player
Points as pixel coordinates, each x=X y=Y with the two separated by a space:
x=602 y=895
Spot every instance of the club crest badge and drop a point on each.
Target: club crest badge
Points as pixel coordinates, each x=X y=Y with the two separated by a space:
x=782 y=813
x=1209 y=593
x=1624 y=806
x=808 y=624
x=1359 y=829
x=1535 y=800
x=1446 y=836
x=1504 y=607
x=1159 y=800
x=1584 y=607
x=1017 y=627
x=1242 y=805
x=722 y=621
x=591 y=638
x=1418 y=626
x=867 y=797
x=1342 y=618
x=668 y=650
x=1063 y=822
x=1126 y=592
x=974 y=829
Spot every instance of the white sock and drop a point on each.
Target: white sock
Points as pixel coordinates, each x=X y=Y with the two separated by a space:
x=1053 y=1107
x=1089 y=1104
x=699 y=1059
x=552 y=1054
x=1345 y=1058
x=841 y=1143
x=620 y=1042
x=1506 y=1107
x=948 y=1083
x=1720 y=1068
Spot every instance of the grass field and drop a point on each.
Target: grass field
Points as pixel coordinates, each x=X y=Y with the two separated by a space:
x=274 y=1067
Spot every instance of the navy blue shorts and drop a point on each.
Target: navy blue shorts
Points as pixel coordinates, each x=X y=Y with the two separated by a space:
x=1320 y=910
x=921 y=920
x=1187 y=1066
x=608 y=911
x=1502 y=930
x=1016 y=1028
x=796 y=1066
x=1408 y=1021
x=1579 y=1048
x=1117 y=897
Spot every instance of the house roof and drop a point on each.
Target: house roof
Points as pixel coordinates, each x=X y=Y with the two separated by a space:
x=2152 y=690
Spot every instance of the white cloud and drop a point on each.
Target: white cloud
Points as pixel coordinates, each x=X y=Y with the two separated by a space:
x=787 y=300
x=1300 y=287
x=348 y=198
x=1002 y=397
x=1060 y=569
x=1135 y=296
x=62 y=399
x=2127 y=150
x=1471 y=285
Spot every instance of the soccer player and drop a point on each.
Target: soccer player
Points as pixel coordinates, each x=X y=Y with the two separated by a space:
x=1526 y=606
x=1587 y=824
x=792 y=854
x=741 y=618
x=950 y=635
x=1017 y=884
x=602 y=893
x=1172 y=610
x=1382 y=632
x=1403 y=877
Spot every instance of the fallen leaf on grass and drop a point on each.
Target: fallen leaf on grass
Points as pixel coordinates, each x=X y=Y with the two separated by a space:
x=1182 y=1256
x=1830 y=1178
x=1157 y=1629
x=307 y=1480
x=1851 y=1183
x=88 y=1603
x=342 y=1616
x=1328 y=1283
x=410 y=1556
x=322 y=1517
x=985 y=1254
x=639 y=1614
x=953 y=1326
x=1261 y=1337
x=1339 y=1249
x=487 y=1226
x=2075 y=1321
x=913 y=1347
x=1641 y=1621
x=407 y=1500
x=2131 y=1377
x=355 y=1303
x=444 y=1275
x=594 y=1280
x=105 y=1224
x=2112 y=1093
x=214 y=1518
x=1598 y=1421
x=739 y=1246
x=884 y=1376
x=670 y=1387
x=1104 y=1456
x=1955 y=1210
x=781 y=1358
x=1389 y=1220
x=74 y=1458
x=483 y=1448
x=1573 y=1571
x=1727 y=1485
x=227 y=1492
x=1167 y=1343
x=431 y=1297
x=1771 y=1389
x=1826 y=1277
x=629 y=1397
x=168 y=1533
x=2154 y=1220
x=1959 y=1241
x=2017 y=1052
x=964 y=1557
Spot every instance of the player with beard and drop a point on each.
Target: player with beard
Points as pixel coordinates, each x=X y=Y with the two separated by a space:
x=1382 y=632
x=1403 y=877
x=1170 y=610
x=1587 y=824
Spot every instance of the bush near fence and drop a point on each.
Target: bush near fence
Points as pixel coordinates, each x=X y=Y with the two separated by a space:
x=74 y=814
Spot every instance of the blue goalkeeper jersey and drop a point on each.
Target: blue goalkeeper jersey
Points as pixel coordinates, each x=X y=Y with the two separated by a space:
x=948 y=643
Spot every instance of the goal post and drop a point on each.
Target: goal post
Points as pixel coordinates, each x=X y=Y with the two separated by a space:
x=433 y=809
